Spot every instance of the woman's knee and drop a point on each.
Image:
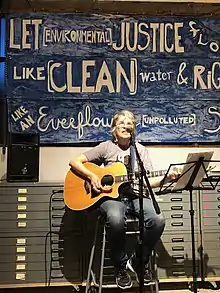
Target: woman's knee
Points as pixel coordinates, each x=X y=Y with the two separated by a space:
x=114 y=213
x=116 y=219
x=160 y=221
x=156 y=222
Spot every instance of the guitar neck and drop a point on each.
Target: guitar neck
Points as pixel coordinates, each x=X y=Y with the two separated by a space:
x=125 y=178
x=157 y=173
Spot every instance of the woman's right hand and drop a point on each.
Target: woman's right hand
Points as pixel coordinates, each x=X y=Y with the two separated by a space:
x=95 y=183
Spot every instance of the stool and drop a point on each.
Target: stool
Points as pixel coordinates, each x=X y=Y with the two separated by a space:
x=91 y=282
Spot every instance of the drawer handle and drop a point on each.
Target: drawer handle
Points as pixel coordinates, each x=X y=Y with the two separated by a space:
x=56 y=241
x=57 y=258
x=57 y=216
x=218 y=198
x=178 y=257
x=58 y=208
x=176 y=199
x=56 y=250
x=56 y=267
x=178 y=248
x=177 y=224
x=57 y=199
x=56 y=225
x=178 y=239
x=177 y=216
x=179 y=273
x=57 y=276
x=176 y=208
x=55 y=191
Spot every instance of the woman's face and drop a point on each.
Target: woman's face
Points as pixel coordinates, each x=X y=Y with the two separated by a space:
x=123 y=128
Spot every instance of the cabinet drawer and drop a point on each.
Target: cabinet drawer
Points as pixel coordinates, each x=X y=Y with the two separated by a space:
x=211 y=223
x=210 y=205
x=177 y=237
x=178 y=214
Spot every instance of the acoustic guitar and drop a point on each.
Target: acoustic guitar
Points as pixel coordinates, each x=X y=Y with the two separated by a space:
x=78 y=193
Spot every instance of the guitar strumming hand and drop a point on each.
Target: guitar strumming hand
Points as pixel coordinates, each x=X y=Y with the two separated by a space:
x=97 y=186
x=95 y=183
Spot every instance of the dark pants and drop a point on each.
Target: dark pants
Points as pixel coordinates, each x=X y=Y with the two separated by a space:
x=115 y=213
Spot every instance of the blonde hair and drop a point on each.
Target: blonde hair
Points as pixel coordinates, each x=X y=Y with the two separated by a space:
x=126 y=114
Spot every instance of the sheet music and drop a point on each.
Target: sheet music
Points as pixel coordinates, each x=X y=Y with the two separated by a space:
x=189 y=168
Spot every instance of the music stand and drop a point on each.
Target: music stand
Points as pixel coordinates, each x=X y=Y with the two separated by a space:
x=194 y=170
x=142 y=176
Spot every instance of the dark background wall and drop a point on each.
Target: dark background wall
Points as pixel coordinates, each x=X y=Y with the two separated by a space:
x=168 y=8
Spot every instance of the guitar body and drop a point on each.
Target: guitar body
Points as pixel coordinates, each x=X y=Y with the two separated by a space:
x=78 y=194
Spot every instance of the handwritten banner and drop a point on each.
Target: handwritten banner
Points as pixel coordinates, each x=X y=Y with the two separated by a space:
x=68 y=121
x=67 y=75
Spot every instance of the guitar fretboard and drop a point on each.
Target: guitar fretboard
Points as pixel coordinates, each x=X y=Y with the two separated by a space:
x=124 y=178
x=156 y=173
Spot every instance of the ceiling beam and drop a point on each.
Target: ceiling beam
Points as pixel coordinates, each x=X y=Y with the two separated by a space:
x=133 y=7
x=165 y=1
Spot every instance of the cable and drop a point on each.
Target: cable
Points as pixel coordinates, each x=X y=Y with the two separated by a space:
x=45 y=257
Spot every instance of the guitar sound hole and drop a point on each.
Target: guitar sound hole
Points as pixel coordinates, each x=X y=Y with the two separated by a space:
x=107 y=180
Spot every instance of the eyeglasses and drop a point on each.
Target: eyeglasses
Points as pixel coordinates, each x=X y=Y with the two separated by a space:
x=126 y=125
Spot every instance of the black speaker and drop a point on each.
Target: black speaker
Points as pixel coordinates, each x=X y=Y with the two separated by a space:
x=23 y=157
